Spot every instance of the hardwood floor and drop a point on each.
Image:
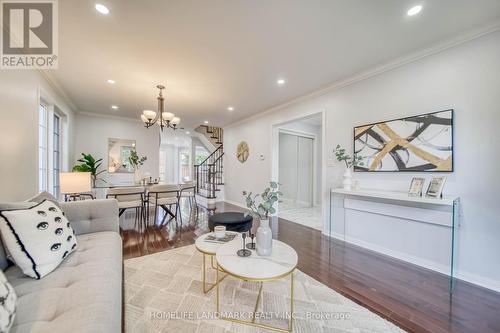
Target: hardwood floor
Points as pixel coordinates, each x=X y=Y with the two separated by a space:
x=412 y=297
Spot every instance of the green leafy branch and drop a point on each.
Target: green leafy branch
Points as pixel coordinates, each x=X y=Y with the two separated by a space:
x=89 y=164
x=135 y=161
x=342 y=156
x=269 y=198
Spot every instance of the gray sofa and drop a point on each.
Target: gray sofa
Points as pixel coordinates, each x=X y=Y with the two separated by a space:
x=84 y=294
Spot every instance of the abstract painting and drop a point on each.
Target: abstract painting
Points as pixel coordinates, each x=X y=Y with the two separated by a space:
x=413 y=144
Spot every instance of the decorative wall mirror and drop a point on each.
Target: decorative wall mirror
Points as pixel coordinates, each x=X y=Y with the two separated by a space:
x=242 y=152
x=118 y=153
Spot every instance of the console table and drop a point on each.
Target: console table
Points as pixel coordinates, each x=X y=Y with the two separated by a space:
x=401 y=198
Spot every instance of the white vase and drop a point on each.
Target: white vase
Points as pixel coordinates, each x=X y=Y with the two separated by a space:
x=264 y=243
x=137 y=176
x=347 y=183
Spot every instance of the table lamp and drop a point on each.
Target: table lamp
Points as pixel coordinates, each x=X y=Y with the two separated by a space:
x=73 y=183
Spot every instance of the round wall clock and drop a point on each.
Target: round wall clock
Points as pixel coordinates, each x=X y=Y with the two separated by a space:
x=242 y=152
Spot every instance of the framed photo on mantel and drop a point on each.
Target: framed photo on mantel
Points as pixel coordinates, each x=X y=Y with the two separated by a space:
x=435 y=189
x=417 y=184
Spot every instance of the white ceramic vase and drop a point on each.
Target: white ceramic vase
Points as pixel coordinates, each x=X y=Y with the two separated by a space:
x=347 y=183
x=264 y=243
x=137 y=176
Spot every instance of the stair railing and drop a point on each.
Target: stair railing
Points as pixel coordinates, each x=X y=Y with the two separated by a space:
x=209 y=173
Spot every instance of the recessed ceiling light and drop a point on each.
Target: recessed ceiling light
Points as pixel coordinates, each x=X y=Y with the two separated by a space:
x=414 y=10
x=102 y=9
x=230 y=108
x=115 y=107
x=280 y=82
x=205 y=122
x=111 y=81
x=187 y=132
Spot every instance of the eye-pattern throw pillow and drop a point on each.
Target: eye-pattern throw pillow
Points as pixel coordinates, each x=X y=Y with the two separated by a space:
x=38 y=238
x=8 y=300
x=40 y=197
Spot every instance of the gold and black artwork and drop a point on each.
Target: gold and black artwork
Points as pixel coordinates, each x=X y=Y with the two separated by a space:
x=414 y=144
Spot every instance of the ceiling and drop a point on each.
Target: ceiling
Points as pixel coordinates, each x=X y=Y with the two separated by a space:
x=220 y=53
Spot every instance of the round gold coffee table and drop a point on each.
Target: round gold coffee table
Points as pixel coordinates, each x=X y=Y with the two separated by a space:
x=279 y=265
x=208 y=248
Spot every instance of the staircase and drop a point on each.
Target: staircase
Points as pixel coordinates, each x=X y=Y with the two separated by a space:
x=209 y=173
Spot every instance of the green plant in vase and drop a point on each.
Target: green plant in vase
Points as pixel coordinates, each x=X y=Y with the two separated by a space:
x=342 y=156
x=136 y=162
x=262 y=210
x=350 y=161
x=89 y=164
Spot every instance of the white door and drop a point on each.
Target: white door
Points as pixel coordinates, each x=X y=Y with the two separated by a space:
x=305 y=171
x=288 y=166
x=296 y=164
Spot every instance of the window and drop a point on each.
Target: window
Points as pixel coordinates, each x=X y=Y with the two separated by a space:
x=163 y=165
x=42 y=148
x=175 y=162
x=50 y=148
x=201 y=154
x=56 y=153
x=184 y=164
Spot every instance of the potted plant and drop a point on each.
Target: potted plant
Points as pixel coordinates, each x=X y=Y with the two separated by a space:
x=342 y=156
x=136 y=163
x=269 y=198
x=89 y=164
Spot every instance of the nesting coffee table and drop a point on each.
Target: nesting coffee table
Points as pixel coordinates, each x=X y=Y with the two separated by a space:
x=209 y=249
x=280 y=265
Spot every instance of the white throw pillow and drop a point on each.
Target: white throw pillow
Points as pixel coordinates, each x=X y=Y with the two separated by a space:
x=38 y=238
x=40 y=197
x=8 y=300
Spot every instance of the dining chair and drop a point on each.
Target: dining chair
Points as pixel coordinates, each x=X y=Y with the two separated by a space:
x=129 y=198
x=87 y=196
x=164 y=196
x=188 y=190
x=79 y=196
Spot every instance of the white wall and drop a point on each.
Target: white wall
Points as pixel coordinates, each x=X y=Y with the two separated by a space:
x=92 y=134
x=20 y=92
x=465 y=78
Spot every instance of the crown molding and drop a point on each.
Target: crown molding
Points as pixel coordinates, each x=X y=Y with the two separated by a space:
x=51 y=80
x=108 y=116
x=377 y=70
x=59 y=90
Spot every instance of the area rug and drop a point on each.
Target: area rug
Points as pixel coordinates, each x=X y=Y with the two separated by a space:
x=163 y=293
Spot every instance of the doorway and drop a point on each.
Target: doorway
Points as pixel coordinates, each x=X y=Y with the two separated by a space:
x=175 y=158
x=299 y=170
x=296 y=153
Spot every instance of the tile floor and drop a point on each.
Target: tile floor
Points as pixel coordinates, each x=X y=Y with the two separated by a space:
x=301 y=214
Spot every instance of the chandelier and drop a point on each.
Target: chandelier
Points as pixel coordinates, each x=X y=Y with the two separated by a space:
x=162 y=118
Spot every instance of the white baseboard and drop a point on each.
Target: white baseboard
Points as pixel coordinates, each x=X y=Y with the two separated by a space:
x=479 y=280
x=444 y=269
x=464 y=276
x=235 y=203
x=204 y=202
